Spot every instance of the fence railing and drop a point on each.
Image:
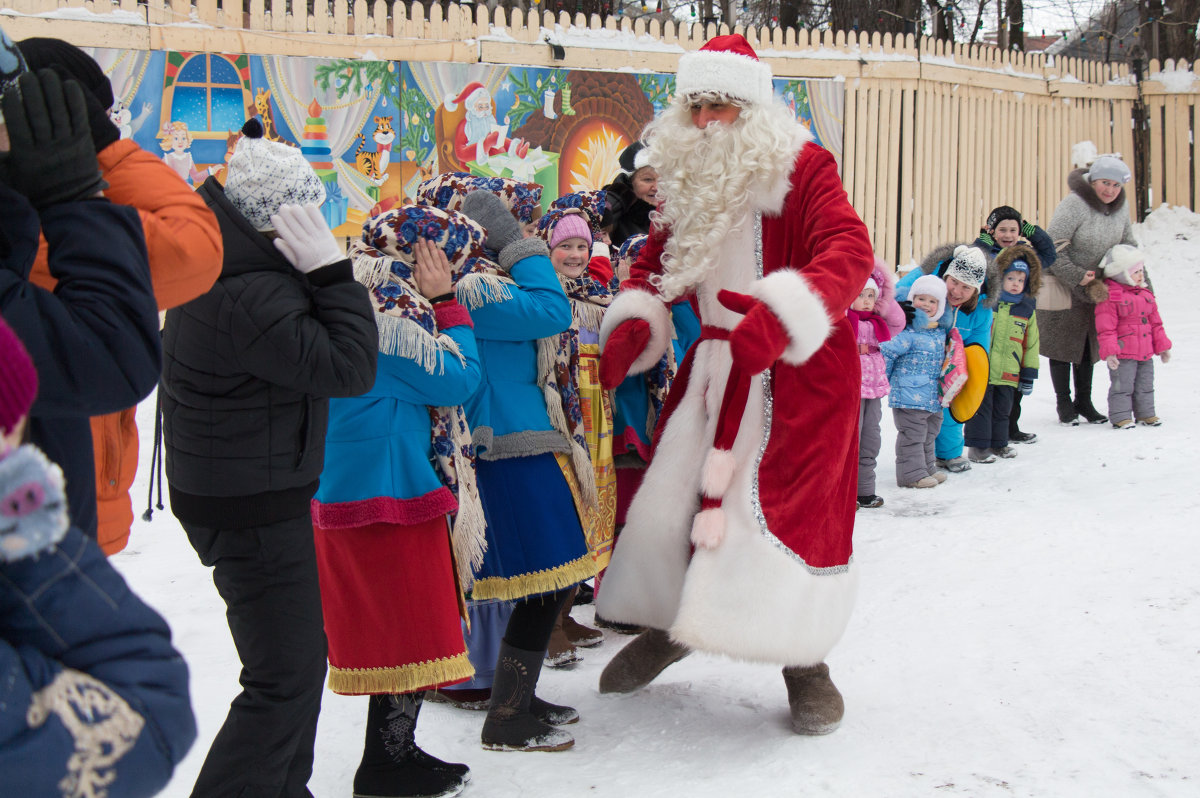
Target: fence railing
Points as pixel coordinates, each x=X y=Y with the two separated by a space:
x=935 y=134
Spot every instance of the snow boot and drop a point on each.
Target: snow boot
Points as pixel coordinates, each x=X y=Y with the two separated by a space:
x=955 y=465
x=1060 y=377
x=1083 y=394
x=474 y=699
x=870 y=502
x=560 y=653
x=1022 y=437
x=816 y=704
x=638 y=663
x=977 y=455
x=510 y=724
x=1150 y=421
x=584 y=594
x=619 y=628
x=940 y=476
x=392 y=765
x=578 y=634
x=924 y=482
x=1125 y=423
x=553 y=714
x=1004 y=452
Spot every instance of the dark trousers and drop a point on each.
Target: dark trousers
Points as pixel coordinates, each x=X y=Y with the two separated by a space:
x=988 y=428
x=1014 y=416
x=267 y=577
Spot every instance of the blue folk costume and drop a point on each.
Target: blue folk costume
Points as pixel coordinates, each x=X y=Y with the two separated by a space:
x=398 y=463
x=533 y=470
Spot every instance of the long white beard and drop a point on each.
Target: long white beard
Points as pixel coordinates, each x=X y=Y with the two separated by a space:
x=478 y=126
x=710 y=179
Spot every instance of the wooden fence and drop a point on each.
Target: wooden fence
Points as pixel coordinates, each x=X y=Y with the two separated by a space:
x=934 y=135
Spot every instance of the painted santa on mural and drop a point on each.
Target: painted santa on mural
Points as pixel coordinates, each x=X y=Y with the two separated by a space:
x=739 y=540
x=478 y=136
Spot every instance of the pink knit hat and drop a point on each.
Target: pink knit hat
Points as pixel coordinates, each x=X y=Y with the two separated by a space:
x=572 y=225
x=18 y=380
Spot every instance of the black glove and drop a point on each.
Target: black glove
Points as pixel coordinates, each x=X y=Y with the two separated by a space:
x=1025 y=387
x=53 y=159
x=909 y=312
x=495 y=217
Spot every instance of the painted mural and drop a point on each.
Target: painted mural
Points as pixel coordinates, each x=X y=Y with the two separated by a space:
x=373 y=130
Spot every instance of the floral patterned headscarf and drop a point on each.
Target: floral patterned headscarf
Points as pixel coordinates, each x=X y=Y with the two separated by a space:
x=593 y=203
x=447 y=191
x=383 y=262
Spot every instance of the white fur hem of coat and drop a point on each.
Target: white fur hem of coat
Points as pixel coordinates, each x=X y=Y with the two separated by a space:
x=801 y=310
x=638 y=304
x=749 y=598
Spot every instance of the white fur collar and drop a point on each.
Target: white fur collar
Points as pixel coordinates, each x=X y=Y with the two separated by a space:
x=769 y=198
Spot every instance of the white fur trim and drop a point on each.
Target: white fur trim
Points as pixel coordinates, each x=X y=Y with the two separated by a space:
x=770 y=198
x=641 y=159
x=801 y=310
x=708 y=528
x=718 y=472
x=637 y=304
x=736 y=76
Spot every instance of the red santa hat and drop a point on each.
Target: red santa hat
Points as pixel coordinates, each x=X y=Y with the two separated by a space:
x=467 y=94
x=725 y=65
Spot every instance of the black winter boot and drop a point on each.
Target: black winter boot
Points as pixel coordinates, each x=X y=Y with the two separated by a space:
x=510 y=724
x=1060 y=377
x=1083 y=394
x=816 y=704
x=392 y=764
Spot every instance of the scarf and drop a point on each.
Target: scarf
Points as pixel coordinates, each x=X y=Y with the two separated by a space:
x=383 y=262
x=882 y=333
x=448 y=190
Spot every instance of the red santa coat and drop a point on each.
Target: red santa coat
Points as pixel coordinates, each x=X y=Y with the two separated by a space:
x=779 y=587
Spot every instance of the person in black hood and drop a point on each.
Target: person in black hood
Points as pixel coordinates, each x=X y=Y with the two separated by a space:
x=633 y=194
x=248 y=371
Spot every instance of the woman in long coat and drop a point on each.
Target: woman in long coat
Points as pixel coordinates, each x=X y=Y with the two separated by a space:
x=1091 y=219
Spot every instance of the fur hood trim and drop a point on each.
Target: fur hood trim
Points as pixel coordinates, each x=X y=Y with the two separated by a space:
x=1026 y=253
x=1078 y=183
x=935 y=261
x=885 y=278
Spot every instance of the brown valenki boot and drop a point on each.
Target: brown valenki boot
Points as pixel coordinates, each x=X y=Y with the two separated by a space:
x=816 y=704
x=638 y=663
x=578 y=634
x=560 y=651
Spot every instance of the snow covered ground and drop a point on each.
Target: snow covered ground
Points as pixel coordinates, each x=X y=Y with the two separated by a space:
x=1029 y=628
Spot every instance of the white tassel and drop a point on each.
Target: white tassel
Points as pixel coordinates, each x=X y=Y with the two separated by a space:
x=477 y=290
x=708 y=528
x=405 y=338
x=717 y=473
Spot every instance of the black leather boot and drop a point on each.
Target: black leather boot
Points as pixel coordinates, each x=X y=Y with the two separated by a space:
x=1060 y=377
x=1083 y=394
x=392 y=765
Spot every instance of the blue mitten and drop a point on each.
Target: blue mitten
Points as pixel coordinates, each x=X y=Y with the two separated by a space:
x=33 y=504
x=1025 y=387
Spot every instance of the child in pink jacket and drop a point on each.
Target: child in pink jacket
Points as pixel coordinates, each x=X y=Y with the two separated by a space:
x=875 y=317
x=1131 y=333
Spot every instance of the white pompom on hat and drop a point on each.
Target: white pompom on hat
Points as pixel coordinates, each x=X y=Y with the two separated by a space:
x=725 y=65
x=1109 y=167
x=930 y=285
x=969 y=266
x=871 y=286
x=1119 y=261
x=262 y=175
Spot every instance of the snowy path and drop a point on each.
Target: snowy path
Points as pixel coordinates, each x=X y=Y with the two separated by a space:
x=1030 y=628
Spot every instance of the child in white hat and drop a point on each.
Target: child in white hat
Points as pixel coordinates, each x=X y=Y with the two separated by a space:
x=1131 y=333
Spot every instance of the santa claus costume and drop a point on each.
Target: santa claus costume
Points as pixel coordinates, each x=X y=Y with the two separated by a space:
x=739 y=540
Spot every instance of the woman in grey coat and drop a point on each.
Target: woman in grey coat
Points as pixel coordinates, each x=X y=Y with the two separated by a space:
x=1091 y=219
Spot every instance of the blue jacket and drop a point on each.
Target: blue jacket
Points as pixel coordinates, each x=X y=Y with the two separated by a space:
x=378 y=449
x=913 y=359
x=94 y=339
x=68 y=620
x=975 y=326
x=508 y=412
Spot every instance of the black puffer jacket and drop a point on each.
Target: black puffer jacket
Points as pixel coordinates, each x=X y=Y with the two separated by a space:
x=248 y=370
x=631 y=215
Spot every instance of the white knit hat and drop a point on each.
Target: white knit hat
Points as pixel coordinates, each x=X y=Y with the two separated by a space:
x=871 y=286
x=930 y=285
x=262 y=175
x=969 y=266
x=1119 y=261
x=1109 y=167
x=725 y=65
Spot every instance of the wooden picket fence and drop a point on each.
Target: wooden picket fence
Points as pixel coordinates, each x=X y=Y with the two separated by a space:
x=934 y=135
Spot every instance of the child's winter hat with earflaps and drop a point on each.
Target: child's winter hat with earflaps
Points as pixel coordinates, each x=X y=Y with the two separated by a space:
x=1119 y=261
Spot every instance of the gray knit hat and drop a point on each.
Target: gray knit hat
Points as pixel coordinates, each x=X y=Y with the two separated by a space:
x=969 y=266
x=1109 y=167
x=266 y=174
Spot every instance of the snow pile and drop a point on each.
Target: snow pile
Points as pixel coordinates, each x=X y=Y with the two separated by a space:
x=1176 y=81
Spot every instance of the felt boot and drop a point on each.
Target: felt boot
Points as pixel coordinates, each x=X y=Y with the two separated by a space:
x=510 y=724
x=1083 y=394
x=392 y=765
x=578 y=634
x=638 y=663
x=560 y=652
x=816 y=704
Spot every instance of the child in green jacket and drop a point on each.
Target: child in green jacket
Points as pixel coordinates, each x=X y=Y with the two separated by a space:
x=1013 y=356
